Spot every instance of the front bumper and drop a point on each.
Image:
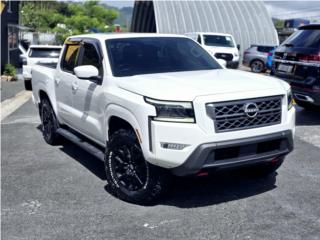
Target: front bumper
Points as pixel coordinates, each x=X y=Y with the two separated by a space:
x=237 y=153
x=233 y=64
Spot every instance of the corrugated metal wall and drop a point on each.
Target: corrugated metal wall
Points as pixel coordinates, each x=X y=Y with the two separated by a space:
x=248 y=21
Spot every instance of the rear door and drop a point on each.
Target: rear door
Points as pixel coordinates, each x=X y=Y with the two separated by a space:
x=88 y=96
x=63 y=82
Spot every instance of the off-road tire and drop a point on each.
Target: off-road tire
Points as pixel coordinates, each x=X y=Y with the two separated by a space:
x=28 y=84
x=49 y=123
x=149 y=182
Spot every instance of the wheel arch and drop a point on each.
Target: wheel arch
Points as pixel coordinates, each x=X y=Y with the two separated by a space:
x=42 y=94
x=118 y=117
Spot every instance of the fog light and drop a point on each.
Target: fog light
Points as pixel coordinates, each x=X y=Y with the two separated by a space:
x=173 y=146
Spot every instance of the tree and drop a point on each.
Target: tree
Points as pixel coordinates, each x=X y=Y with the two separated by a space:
x=67 y=18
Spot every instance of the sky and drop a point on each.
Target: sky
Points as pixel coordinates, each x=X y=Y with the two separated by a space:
x=278 y=9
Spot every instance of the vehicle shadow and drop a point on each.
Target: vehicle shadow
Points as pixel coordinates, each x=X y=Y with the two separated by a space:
x=93 y=164
x=187 y=192
x=306 y=117
x=222 y=187
x=90 y=162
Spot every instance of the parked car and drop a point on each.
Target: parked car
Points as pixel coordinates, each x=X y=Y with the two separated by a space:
x=256 y=57
x=152 y=105
x=38 y=54
x=220 y=45
x=297 y=60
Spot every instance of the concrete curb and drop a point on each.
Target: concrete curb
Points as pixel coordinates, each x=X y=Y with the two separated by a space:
x=10 y=105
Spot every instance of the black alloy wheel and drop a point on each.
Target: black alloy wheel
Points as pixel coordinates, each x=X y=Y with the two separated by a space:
x=130 y=177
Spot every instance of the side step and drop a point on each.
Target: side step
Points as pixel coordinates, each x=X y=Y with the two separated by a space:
x=85 y=145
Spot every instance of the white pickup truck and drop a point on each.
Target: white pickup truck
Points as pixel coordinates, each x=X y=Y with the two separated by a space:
x=38 y=54
x=153 y=105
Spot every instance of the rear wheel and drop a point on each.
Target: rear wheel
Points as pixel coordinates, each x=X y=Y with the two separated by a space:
x=257 y=66
x=28 y=84
x=49 y=123
x=130 y=177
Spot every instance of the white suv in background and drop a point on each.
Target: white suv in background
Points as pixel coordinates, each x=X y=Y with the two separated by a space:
x=220 y=45
x=38 y=54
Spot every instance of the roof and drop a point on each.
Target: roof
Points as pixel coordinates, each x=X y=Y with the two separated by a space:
x=45 y=46
x=247 y=21
x=106 y=36
x=211 y=33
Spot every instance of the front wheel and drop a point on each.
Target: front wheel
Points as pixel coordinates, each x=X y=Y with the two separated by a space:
x=130 y=177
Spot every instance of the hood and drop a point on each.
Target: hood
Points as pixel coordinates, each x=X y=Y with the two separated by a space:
x=215 y=49
x=186 y=86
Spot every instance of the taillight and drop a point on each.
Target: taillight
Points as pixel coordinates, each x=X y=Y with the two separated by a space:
x=270 y=54
x=245 y=53
x=310 y=58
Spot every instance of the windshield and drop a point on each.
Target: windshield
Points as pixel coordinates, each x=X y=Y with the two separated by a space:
x=44 y=52
x=218 y=41
x=307 y=38
x=133 y=56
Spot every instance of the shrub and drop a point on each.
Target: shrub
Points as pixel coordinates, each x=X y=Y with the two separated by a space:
x=9 y=70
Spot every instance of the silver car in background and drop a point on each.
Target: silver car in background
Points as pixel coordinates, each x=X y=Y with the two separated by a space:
x=256 y=57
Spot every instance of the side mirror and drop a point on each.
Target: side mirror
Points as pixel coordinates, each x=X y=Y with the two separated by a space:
x=88 y=72
x=222 y=62
x=238 y=46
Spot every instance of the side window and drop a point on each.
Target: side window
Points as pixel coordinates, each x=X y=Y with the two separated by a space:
x=91 y=57
x=70 y=57
x=199 y=39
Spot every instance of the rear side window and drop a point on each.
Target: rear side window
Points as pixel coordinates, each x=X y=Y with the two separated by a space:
x=308 y=38
x=44 y=52
x=264 y=49
x=70 y=57
x=91 y=57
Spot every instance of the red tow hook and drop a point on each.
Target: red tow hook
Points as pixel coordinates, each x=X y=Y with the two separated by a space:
x=202 y=174
x=275 y=160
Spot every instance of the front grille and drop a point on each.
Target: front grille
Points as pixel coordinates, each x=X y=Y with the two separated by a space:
x=245 y=114
x=224 y=56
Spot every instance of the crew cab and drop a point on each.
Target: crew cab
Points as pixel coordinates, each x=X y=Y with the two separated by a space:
x=220 y=45
x=297 y=61
x=38 y=54
x=153 y=105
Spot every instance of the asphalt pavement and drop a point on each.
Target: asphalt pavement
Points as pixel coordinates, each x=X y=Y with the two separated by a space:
x=59 y=192
x=10 y=89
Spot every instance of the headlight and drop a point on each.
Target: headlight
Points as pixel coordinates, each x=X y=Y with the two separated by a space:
x=236 y=54
x=289 y=99
x=168 y=111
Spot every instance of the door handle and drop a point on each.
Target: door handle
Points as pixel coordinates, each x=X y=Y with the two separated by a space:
x=57 y=80
x=75 y=86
